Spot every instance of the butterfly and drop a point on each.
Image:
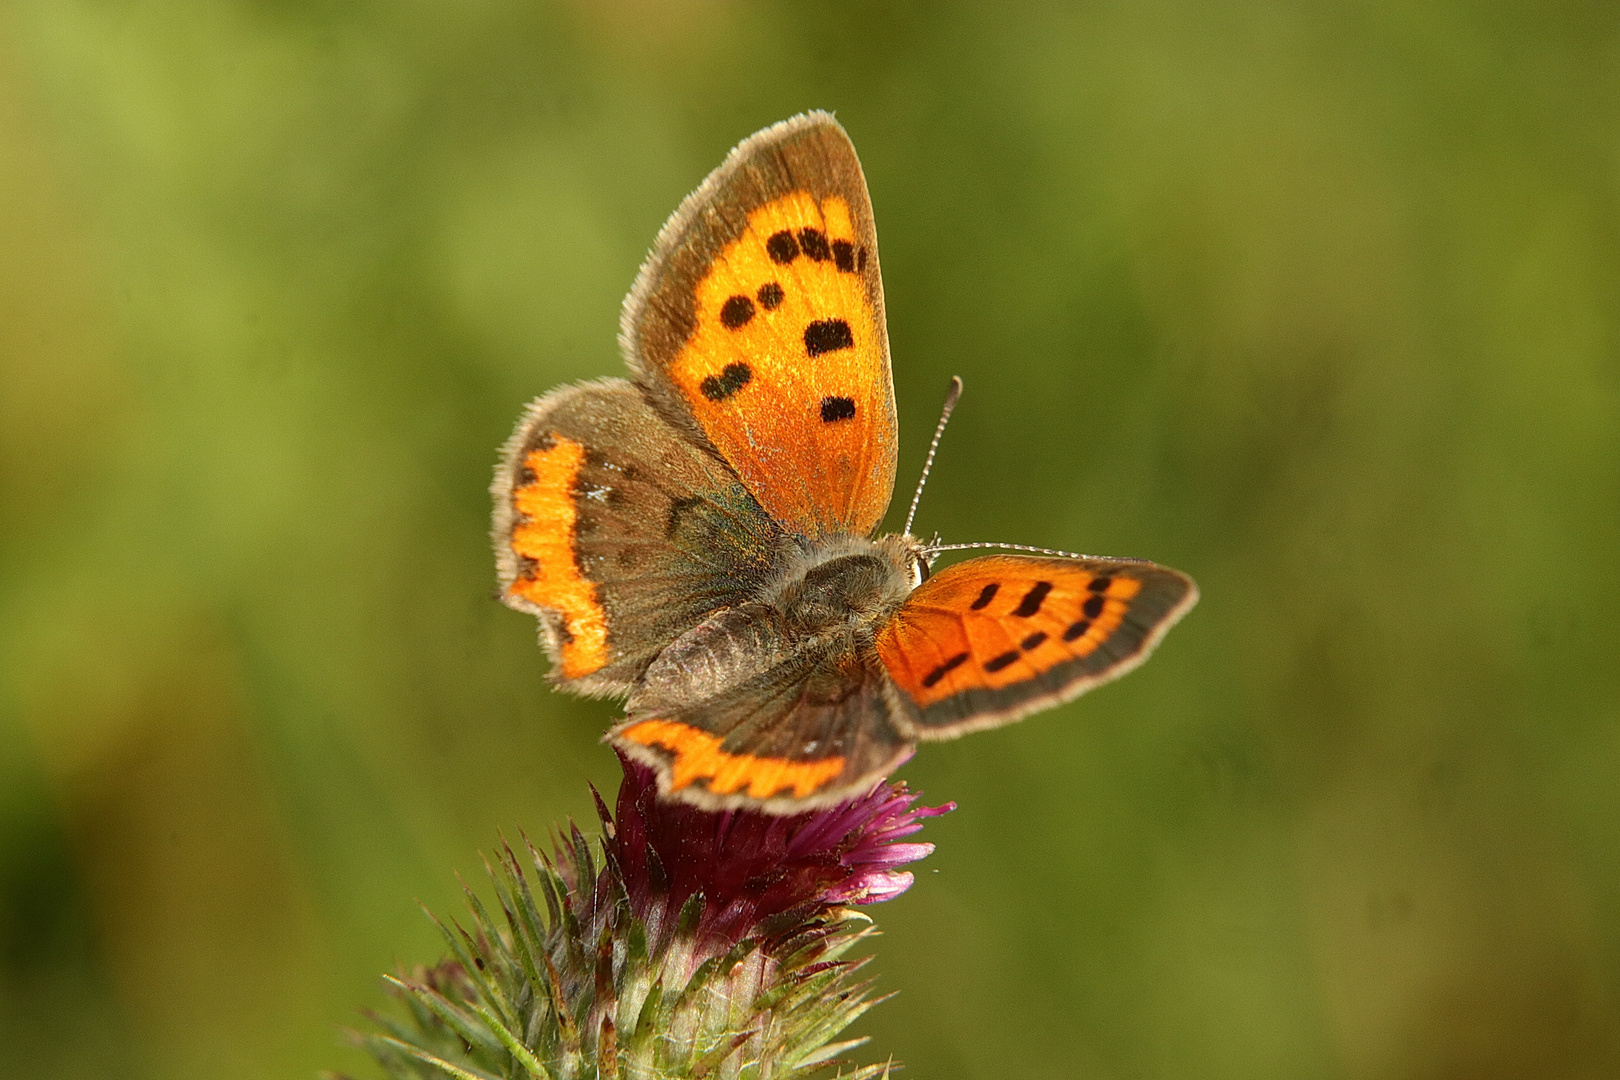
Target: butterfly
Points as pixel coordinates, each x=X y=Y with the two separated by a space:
x=701 y=537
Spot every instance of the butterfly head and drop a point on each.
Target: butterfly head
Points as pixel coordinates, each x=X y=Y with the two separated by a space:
x=913 y=555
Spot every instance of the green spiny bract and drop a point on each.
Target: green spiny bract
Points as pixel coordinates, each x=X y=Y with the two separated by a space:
x=730 y=963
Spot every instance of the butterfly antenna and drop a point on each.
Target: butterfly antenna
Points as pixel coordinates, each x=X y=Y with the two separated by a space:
x=944 y=418
x=935 y=549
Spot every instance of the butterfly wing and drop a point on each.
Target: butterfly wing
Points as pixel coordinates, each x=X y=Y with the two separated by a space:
x=990 y=640
x=619 y=533
x=757 y=323
x=744 y=712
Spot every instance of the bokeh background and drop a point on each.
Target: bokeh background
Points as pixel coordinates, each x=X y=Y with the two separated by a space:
x=1318 y=302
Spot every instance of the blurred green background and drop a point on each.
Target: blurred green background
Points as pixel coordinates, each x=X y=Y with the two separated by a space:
x=1318 y=302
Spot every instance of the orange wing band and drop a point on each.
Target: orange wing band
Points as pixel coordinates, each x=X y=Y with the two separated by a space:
x=698 y=757
x=544 y=542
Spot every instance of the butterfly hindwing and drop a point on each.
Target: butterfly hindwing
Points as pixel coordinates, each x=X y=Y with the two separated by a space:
x=619 y=533
x=758 y=322
x=993 y=639
x=743 y=712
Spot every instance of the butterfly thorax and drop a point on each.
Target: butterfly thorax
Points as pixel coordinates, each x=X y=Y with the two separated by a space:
x=845 y=582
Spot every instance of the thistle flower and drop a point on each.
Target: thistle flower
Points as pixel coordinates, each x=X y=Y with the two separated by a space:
x=704 y=944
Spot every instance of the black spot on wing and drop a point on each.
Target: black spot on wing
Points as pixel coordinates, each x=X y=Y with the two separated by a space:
x=996 y=663
x=813 y=242
x=844 y=255
x=736 y=312
x=1078 y=630
x=985 y=596
x=834 y=409
x=542 y=441
x=933 y=677
x=730 y=380
x=828 y=335
x=678 y=510
x=1093 y=606
x=1033 y=641
x=1100 y=584
x=782 y=248
x=770 y=296
x=1033 y=600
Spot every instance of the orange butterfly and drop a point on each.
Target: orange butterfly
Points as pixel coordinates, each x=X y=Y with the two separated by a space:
x=700 y=537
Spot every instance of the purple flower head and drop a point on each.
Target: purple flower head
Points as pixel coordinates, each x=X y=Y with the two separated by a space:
x=758 y=874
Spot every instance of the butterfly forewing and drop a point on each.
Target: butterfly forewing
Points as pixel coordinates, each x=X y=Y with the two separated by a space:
x=992 y=639
x=758 y=321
